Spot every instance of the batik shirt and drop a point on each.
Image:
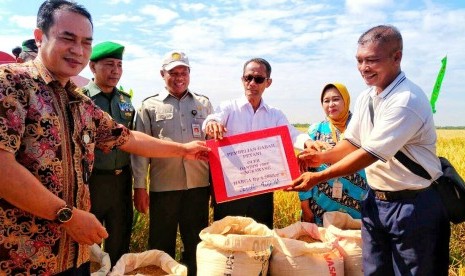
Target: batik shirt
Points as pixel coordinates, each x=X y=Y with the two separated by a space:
x=52 y=131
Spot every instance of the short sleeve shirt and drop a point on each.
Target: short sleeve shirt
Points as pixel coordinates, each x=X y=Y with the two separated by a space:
x=402 y=120
x=167 y=118
x=52 y=131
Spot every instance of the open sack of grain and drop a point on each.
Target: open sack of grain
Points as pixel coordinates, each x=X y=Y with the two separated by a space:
x=151 y=262
x=100 y=263
x=234 y=246
x=347 y=232
x=303 y=249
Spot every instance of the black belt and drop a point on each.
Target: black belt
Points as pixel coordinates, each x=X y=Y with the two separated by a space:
x=398 y=195
x=111 y=172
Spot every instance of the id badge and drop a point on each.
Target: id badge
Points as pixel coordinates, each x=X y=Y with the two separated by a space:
x=337 y=189
x=196 y=131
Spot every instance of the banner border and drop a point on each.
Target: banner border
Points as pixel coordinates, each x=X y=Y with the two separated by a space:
x=217 y=177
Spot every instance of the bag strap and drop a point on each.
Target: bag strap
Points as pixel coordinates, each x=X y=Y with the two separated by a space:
x=370 y=107
x=413 y=166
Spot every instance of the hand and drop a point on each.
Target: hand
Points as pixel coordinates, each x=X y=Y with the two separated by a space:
x=85 y=228
x=215 y=130
x=196 y=150
x=304 y=182
x=141 y=200
x=307 y=214
x=309 y=158
x=320 y=146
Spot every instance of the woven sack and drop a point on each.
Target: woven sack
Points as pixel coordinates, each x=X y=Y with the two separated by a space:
x=347 y=232
x=101 y=259
x=132 y=261
x=302 y=249
x=234 y=246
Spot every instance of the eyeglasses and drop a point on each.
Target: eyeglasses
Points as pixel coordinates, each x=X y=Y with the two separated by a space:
x=257 y=79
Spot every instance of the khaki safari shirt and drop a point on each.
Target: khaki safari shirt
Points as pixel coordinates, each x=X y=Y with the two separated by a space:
x=165 y=117
x=121 y=110
x=53 y=132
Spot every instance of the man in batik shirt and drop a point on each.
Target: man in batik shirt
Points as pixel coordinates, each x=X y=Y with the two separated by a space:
x=48 y=132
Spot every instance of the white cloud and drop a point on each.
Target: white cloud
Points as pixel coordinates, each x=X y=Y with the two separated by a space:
x=161 y=15
x=115 y=2
x=366 y=6
x=196 y=7
x=24 y=22
x=117 y=19
x=307 y=45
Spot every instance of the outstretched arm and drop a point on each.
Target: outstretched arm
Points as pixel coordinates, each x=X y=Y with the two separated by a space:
x=145 y=145
x=351 y=163
x=313 y=158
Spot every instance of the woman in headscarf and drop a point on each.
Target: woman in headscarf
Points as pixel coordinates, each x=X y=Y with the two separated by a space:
x=344 y=193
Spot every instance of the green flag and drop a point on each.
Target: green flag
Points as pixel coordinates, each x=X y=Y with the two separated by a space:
x=437 y=85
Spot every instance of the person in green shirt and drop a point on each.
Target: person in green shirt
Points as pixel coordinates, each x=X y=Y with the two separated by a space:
x=111 y=181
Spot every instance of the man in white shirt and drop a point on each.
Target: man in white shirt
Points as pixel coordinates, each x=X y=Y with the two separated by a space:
x=245 y=114
x=405 y=229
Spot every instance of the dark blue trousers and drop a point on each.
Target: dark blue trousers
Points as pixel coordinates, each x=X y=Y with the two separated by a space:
x=405 y=237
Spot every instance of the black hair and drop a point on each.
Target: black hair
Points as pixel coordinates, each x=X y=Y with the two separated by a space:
x=46 y=11
x=16 y=51
x=261 y=61
x=382 y=34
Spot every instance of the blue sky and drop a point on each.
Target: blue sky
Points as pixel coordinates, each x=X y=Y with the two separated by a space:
x=308 y=44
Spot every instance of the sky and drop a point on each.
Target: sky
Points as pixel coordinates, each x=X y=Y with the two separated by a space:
x=308 y=44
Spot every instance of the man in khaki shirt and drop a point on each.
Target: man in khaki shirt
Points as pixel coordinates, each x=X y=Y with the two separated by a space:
x=179 y=188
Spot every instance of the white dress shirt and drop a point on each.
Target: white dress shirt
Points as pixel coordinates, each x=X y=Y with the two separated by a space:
x=238 y=117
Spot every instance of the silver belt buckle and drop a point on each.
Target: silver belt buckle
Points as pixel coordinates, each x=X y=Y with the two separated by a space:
x=381 y=195
x=117 y=172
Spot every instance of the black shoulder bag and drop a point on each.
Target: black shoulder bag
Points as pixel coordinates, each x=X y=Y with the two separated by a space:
x=450 y=185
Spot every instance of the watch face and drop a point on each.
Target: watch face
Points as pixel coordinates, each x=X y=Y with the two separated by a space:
x=64 y=214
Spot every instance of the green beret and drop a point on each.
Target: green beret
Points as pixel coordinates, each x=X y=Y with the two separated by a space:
x=107 y=49
x=29 y=46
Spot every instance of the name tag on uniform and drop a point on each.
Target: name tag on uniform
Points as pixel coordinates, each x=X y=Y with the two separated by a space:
x=164 y=116
x=337 y=189
x=196 y=131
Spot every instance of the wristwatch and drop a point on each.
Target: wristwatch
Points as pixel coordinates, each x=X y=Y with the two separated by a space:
x=64 y=214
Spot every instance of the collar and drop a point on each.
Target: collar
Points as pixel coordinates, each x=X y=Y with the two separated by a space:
x=165 y=94
x=95 y=90
x=243 y=102
x=42 y=71
x=394 y=84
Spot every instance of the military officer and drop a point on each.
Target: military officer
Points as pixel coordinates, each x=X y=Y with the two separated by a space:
x=111 y=180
